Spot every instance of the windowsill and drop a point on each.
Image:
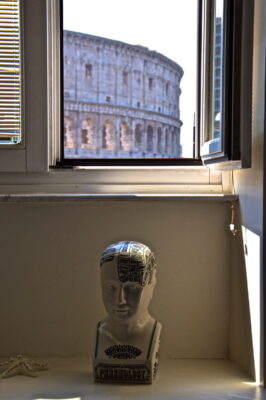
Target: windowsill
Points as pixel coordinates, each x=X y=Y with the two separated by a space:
x=128 y=181
x=78 y=197
x=177 y=379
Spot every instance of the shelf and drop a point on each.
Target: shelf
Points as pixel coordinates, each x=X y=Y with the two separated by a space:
x=71 y=378
x=62 y=197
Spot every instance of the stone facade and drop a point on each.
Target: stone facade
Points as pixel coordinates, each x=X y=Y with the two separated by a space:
x=120 y=100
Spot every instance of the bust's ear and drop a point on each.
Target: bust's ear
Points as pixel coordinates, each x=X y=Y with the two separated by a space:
x=154 y=278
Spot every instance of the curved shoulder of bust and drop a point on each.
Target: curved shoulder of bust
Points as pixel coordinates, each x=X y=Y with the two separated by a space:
x=158 y=326
x=102 y=323
x=157 y=329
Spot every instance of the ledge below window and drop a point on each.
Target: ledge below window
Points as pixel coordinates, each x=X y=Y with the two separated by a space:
x=58 y=197
x=119 y=181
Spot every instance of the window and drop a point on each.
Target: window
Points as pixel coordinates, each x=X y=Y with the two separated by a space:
x=161 y=79
x=226 y=82
x=166 y=88
x=88 y=70
x=125 y=78
x=37 y=151
x=137 y=74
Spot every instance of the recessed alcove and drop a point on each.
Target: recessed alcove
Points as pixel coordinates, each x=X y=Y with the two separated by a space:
x=50 y=287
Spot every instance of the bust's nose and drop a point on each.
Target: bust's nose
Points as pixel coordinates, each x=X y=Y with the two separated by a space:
x=121 y=300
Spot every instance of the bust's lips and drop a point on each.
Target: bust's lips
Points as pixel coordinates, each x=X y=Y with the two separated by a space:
x=121 y=311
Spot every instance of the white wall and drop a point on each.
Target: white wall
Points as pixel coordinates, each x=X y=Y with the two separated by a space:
x=49 y=286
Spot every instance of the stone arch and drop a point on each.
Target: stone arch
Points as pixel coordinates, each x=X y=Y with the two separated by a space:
x=172 y=142
x=138 y=137
x=149 y=147
x=88 y=70
x=166 y=88
x=88 y=134
x=160 y=143
x=108 y=135
x=69 y=141
x=167 y=141
x=125 y=137
x=125 y=77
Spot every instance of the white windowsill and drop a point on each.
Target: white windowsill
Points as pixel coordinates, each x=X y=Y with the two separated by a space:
x=156 y=181
x=70 y=197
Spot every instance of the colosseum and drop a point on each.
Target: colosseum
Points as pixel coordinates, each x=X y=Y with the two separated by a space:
x=120 y=100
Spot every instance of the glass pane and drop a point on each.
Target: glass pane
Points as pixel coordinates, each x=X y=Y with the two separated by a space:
x=129 y=78
x=216 y=76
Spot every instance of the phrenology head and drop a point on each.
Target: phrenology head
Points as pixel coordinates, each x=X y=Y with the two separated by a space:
x=135 y=261
x=128 y=278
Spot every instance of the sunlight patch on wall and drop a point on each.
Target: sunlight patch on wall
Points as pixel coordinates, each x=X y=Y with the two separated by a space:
x=69 y=398
x=251 y=243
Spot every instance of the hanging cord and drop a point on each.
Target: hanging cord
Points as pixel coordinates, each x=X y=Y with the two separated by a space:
x=233 y=216
x=232 y=226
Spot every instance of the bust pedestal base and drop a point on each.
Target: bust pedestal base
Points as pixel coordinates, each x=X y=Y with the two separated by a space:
x=127 y=371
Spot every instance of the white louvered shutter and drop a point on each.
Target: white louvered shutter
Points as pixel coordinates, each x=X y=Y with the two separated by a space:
x=10 y=72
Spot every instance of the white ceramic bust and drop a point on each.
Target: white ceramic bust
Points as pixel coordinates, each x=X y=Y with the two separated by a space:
x=127 y=339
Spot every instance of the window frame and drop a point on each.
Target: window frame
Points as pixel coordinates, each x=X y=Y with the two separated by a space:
x=40 y=96
x=35 y=167
x=236 y=87
x=175 y=162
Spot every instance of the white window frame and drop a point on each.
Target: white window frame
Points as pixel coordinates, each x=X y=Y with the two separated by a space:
x=29 y=168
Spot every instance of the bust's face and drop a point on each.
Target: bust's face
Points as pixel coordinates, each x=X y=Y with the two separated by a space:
x=123 y=301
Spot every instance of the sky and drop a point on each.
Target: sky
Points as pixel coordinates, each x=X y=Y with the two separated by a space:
x=168 y=26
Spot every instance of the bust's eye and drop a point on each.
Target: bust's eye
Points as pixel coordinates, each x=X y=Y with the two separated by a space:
x=109 y=288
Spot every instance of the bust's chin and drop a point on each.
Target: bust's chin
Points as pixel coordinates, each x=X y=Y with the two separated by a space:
x=122 y=316
x=122 y=313
x=125 y=316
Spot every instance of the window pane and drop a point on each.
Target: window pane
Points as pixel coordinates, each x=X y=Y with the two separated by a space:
x=216 y=76
x=10 y=73
x=129 y=78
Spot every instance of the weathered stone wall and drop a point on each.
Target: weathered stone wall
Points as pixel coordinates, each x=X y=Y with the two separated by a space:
x=120 y=100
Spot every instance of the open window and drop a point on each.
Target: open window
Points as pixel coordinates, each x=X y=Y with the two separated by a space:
x=141 y=96
x=143 y=86
x=225 y=131
x=226 y=82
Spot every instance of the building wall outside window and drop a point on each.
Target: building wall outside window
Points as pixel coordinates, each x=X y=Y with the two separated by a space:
x=121 y=89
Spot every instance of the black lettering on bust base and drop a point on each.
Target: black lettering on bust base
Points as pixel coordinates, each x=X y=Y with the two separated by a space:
x=138 y=373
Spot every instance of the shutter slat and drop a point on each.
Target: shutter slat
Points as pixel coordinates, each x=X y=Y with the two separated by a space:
x=10 y=74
